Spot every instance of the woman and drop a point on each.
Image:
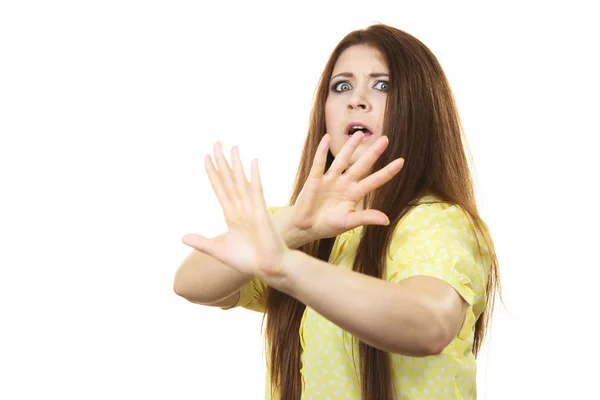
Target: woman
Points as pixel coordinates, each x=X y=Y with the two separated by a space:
x=378 y=278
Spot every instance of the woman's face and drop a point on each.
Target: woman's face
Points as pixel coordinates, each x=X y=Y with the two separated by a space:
x=357 y=98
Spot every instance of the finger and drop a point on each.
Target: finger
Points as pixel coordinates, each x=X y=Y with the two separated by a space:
x=212 y=247
x=364 y=164
x=225 y=174
x=366 y=217
x=380 y=177
x=341 y=160
x=217 y=185
x=257 y=190
x=199 y=243
x=320 y=161
x=241 y=182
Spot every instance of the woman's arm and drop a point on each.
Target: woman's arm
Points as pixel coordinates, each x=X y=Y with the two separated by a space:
x=202 y=279
x=418 y=316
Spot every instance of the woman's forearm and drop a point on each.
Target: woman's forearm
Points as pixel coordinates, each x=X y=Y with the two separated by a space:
x=203 y=279
x=380 y=313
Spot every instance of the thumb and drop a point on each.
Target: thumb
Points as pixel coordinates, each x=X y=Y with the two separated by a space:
x=198 y=242
x=367 y=217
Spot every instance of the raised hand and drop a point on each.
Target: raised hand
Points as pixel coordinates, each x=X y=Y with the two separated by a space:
x=328 y=201
x=252 y=245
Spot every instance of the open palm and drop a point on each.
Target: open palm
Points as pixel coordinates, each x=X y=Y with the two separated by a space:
x=252 y=245
x=327 y=204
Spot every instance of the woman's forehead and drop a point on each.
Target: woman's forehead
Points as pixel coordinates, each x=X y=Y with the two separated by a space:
x=360 y=58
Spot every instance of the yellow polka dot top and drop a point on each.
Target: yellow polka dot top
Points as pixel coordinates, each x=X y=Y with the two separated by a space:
x=433 y=239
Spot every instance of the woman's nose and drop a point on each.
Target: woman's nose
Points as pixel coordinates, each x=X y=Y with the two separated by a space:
x=358 y=100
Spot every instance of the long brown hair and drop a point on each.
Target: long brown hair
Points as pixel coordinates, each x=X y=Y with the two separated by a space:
x=423 y=127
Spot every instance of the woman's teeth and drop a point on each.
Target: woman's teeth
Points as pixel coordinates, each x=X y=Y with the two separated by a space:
x=355 y=129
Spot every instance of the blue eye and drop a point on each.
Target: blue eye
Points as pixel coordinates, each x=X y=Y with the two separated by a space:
x=341 y=86
x=384 y=86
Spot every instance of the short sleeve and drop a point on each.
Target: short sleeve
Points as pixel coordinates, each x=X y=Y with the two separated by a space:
x=253 y=294
x=438 y=240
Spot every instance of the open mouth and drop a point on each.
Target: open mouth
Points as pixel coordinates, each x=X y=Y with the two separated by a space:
x=354 y=127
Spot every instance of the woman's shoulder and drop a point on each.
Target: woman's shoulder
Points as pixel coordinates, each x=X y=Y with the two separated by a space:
x=430 y=218
x=430 y=208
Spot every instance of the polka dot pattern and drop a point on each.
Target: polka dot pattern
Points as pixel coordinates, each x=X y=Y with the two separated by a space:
x=434 y=240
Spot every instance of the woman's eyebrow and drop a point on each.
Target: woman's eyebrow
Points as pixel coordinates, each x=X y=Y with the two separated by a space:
x=351 y=75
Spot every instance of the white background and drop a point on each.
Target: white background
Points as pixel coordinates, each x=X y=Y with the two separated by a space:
x=108 y=108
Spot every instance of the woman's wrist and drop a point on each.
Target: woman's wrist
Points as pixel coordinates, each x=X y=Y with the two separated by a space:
x=294 y=238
